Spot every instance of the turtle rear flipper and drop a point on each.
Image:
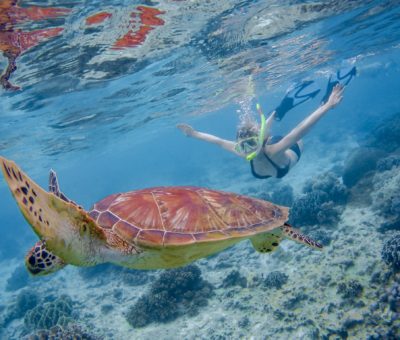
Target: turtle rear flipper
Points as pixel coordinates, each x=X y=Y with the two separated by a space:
x=40 y=261
x=295 y=235
x=268 y=242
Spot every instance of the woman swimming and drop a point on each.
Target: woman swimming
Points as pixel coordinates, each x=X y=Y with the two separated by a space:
x=269 y=156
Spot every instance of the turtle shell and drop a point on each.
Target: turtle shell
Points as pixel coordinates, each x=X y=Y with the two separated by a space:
x=165 y=216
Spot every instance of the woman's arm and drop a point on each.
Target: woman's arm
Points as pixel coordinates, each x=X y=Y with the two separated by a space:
x=190 y=132
x=268 y=124
x=302 y=129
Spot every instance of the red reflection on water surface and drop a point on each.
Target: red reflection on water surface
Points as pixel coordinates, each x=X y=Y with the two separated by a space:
x=14 y=41
x=147 y=21
x=97 y=18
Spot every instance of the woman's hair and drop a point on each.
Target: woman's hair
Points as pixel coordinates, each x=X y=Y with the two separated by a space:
x=247 y=131
x=247 y=126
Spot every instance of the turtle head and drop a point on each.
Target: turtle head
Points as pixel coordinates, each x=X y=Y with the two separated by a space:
x=40 y=261
x=67 y=230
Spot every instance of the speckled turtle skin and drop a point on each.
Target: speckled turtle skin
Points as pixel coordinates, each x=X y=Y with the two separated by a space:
x=185 y=215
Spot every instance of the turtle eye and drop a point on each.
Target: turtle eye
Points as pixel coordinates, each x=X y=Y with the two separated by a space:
x=83 y=229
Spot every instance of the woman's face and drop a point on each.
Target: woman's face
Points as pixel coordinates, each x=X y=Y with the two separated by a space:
x=247 y=140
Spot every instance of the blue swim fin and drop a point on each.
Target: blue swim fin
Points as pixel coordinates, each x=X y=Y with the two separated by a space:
x=293 y=98
x=338 y=79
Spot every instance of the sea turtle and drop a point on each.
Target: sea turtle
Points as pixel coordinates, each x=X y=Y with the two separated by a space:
x=162 y=227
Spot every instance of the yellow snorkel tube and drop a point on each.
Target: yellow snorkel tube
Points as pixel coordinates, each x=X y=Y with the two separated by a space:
x=261 y=135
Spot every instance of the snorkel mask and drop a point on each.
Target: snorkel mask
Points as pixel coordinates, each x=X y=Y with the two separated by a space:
x=247 y=145
x=253 y=145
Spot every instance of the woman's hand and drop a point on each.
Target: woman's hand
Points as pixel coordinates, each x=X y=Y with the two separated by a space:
x=186 y=129
x=336 y=96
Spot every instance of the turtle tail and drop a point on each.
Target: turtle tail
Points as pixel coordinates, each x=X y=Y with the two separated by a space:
x=297 y=236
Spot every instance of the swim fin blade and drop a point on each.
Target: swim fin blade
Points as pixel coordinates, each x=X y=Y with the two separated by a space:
x=338 y=78
x=294 y=97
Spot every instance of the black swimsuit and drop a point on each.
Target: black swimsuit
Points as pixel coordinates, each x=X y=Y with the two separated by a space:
x=280 y=172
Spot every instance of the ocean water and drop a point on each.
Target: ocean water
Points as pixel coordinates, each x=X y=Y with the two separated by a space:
x=96 y=95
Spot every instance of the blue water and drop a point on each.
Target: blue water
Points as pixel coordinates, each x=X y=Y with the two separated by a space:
x=105 y=119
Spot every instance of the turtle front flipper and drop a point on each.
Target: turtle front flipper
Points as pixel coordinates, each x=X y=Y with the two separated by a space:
x=295 y=235
x=68 y=230
x=40 y=261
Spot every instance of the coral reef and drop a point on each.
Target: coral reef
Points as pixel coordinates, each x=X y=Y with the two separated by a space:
x=321 y=202
x=306 y=208
x=388 y=163
x=385 y=312
x=244 y=322
x=330 y=184
x=117 y=293
x=106 y=308
x=385 y=136
x=174 y=293
x=373 y=154
x=234 y=278
x=57 y=312
x=385 y=334
x=386 y=197
x=283 y=195
x=393 y=297
x=130 y=277
x=275 y=279
x=389 y=225
x=314 y=208
x=359 y=163
x=133 y=277
x=391 y=252
x=25 y=301
x=70 y=332
x=350 y=290
x=18 y=279
x=321 y=236
x=159 y=307
x=294 y=301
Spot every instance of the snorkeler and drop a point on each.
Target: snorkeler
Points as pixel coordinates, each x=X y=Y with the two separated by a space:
x=269 y=156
